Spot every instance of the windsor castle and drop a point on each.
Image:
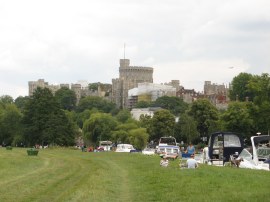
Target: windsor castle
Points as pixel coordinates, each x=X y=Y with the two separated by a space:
x=135 y=83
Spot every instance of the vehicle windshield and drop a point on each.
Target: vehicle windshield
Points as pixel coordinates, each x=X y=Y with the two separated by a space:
x=105 y=143
x=229 y=141
x=245 y=154
x=263 y=148
x=232 y=141
x=167 y=140
x=263 y=152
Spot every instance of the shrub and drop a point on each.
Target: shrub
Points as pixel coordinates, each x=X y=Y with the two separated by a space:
x=32 y=152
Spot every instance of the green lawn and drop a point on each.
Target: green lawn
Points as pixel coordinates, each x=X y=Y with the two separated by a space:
x=72 y=175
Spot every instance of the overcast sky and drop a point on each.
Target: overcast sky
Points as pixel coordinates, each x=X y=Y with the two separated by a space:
x=63 y=41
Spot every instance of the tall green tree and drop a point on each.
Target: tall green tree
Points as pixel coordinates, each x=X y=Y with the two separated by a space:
x=83 y=116
x=10 y=125
x=99 y=127
x=205 y=114
x=66 y=98
x=237 y=119
x=21 y=101
x=175 y=105
x=240 y=90
x=6 y=99
x=186 y=129
x=99 y=103
x=162 y=124
x=260 y=114
x=146 y=122
x=138 y=138
x=45 y=121
x=131 y=133
x=259 y=86
x=122 y=132
x=123 y=116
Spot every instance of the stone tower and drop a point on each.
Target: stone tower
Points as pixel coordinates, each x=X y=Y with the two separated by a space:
x=129 y=77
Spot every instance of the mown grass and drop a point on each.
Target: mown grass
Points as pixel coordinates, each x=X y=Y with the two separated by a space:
x=72 y=175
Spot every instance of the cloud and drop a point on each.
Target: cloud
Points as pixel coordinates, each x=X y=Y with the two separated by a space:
x=194 y=73
x=192 y=41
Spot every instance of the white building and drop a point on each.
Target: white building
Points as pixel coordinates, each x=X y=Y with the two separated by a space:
x=149 y=92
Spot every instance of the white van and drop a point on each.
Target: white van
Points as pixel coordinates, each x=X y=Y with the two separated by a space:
x=105 y=145
x=124 y=148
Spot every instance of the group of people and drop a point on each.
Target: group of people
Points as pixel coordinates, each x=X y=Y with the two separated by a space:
x=190 y=163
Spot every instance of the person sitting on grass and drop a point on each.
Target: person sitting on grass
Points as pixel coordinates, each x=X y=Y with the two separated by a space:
x=164 y=162
x=192 y=163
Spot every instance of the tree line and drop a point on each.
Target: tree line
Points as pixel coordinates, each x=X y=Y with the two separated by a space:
x=55 y=119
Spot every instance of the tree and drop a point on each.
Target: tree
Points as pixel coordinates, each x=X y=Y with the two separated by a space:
x=83 y=116
x=237 y=119
x=123 y=116
x=240 y=90
x=99 y=127
x=260 y=114
x=99 y=103
x=130 y=133
x=257 y=89
x=21 y=101
x=205 y=114
x=45 y=122
x=93 y=86
x=6 y=99
x=174 y=104
x=146 y=122
x=143 y=104
x=162 y=124
x=259 y=86
x=10 y=125
x=138 y=138
x=186 y=129
x=66 y=98
x=121 y=133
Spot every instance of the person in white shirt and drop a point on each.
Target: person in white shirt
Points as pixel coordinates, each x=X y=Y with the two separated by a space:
x=164 y=162
x=192 y=163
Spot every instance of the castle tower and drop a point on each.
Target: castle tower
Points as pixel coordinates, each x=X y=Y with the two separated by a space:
x=129 y=77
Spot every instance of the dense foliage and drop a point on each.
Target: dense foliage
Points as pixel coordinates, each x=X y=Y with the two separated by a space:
x=174 y=104
x=205 y=114
x=45 y=122
x=66 y=98
x=162 y=124
x=255 y=89
x=45 y=118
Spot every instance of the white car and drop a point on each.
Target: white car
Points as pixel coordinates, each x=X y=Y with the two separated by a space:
x=148 y=151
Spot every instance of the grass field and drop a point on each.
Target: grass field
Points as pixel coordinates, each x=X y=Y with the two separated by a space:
x=72 y=175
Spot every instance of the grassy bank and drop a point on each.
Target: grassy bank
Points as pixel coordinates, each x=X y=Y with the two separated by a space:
x=72 y=175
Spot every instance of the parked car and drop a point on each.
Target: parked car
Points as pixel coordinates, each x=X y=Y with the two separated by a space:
x=148 y=151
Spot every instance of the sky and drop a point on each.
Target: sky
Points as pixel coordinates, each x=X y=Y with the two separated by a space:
x=64 y=41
